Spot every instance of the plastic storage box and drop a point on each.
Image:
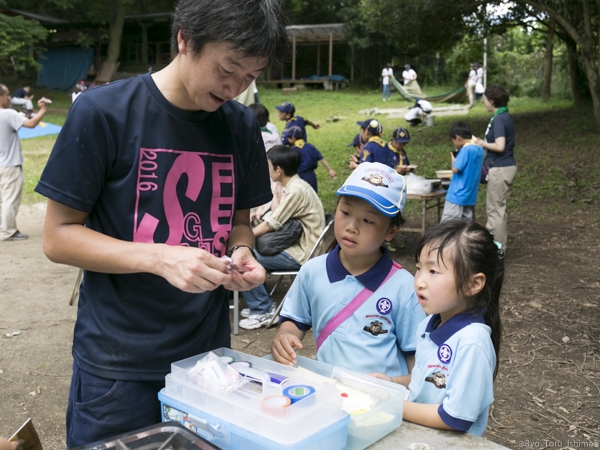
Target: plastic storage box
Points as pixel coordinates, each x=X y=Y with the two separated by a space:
x=366 y=426
x=245 y=418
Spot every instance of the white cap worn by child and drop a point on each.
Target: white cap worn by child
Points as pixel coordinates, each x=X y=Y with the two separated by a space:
x=378 y=184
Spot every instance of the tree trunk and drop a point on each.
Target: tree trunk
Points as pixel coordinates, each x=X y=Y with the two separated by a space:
x=548 y=62
x=109 y=67
x=591 y=69
x=578 y=87
x=587 y=42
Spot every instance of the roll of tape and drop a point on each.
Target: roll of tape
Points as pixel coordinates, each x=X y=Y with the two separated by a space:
x=298 y=392
x=275 y=402
x=240 y=364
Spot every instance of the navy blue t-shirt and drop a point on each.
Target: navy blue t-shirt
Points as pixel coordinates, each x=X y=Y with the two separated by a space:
x=503 y=126
x=309 y=162
x=19 y=93
x=296 y=121
x=373 y=152
x=146 y=171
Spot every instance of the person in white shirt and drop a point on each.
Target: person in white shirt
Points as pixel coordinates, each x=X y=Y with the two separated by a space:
x=420 y=109
x=479 y=87
x=269 y=132
x=386 y=73
x=470 y=83
x=409 y=74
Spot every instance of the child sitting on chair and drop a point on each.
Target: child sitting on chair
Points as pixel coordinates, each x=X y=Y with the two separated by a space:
x=360 y=304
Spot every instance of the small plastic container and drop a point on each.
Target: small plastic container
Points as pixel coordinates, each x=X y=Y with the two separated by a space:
x=366 y=427
x=444 y=174
x=258 y=415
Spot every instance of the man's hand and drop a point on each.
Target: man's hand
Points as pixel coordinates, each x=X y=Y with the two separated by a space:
x=191 y=269
x=43 y=103
x=254 y=275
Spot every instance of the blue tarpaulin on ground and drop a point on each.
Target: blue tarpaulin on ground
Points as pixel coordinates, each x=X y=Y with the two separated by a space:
x=41 y=129
x=63 y=67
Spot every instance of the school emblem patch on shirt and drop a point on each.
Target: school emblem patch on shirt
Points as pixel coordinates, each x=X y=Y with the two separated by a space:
x=445 y=353
x=384 y=306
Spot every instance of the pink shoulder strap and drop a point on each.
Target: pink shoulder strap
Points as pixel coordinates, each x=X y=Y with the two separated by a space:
x=351 y=308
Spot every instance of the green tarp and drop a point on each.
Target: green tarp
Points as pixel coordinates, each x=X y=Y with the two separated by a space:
x=412 y=91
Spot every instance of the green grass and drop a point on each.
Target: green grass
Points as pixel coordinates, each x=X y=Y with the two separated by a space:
x=556 y=145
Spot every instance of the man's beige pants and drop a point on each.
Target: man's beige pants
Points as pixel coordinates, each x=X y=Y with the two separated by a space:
x=11 y=188
x=498 y=190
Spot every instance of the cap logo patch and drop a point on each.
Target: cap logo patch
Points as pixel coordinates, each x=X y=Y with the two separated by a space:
x=375 y=179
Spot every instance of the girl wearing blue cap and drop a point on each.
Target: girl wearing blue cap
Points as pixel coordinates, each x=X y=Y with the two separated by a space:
x=360 y=304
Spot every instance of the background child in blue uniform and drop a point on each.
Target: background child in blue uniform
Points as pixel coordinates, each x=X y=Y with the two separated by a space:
x=310 y=158
x=286 y=113
x=466 y=167
x=400 y=139
x=376 y=149
x=357 y=143
x=379 y=332
x=458 y=282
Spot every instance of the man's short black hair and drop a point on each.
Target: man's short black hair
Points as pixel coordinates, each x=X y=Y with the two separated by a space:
x=261 y=113
x=461 y=129
x=285 y=157
x=255 y=28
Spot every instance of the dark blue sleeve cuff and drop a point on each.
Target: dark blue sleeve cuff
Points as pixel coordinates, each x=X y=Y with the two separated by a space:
x=457 y=424
x=301 y=326
x=411 y=353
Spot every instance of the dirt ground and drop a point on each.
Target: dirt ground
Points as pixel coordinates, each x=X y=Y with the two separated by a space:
x=547 y=392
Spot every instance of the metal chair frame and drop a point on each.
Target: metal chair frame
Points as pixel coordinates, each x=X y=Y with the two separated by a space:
x=280 y=274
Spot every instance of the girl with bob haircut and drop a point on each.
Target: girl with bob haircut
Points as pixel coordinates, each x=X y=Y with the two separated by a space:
x=458 y=280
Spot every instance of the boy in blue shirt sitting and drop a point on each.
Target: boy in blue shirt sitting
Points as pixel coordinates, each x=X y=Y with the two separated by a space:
x=286 y=113
x=466 y=167
x=310 y=158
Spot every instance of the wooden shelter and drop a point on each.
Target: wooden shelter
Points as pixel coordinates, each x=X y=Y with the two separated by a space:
x=316 y=35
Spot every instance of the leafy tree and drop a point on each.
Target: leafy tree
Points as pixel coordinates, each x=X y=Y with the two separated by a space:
x=578 y=26
x=19 y=38
x=109 y=12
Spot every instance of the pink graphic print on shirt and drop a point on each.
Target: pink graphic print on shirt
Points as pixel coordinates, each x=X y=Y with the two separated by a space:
x=196 y=193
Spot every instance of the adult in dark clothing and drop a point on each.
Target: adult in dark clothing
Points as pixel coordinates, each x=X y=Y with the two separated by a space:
x=499 y=141
x=150 y=183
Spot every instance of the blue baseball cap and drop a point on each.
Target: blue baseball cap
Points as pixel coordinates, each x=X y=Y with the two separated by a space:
x=373 y=126
x=357 y=141
x=286 y=107
x=295 y=132
x=377 y=184
x=401 y=135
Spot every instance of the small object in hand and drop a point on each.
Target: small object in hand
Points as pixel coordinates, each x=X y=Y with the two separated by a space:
x=233 y=267
x=46 y=101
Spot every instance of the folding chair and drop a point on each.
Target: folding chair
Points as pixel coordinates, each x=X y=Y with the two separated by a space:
x=316 y=251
